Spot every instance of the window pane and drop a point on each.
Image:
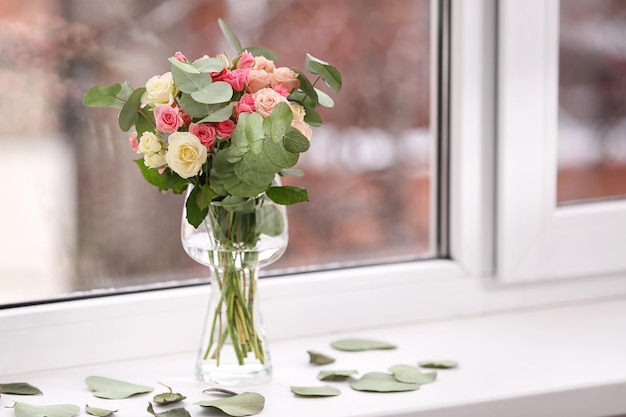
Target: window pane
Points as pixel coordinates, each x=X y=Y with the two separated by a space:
x=592 y=99
x=81 y=218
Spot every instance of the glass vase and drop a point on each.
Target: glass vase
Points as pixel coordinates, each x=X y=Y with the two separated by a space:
x=237 y=237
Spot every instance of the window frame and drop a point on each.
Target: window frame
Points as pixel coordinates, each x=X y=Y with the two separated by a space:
x=344 y=300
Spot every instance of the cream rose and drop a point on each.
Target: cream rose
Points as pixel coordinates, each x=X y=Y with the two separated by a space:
x=257 y=80
x=159 y=90
x=262 y=63
x=149 y=143
x=298 y=110
x=266 y=99
x=155 y=160
x=303 y=127
x=185 y=154
x=285 y=77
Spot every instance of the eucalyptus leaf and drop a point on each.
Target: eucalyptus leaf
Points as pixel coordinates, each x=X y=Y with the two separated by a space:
x=318 y=358
x=174 y=412
x=381 y=382
x=190 y=82
x=114 y=95
x=330 y=74
x=240 y=405
x=306 y=87
x=19 y=388
x=218 y=114
x=323 y=391
x=278 y=122
x=58 y=410
x=166 y=180
x=206 y=64
x=412 y=375
x=439 y=364
x=296 y=173
x=168 y=398
x=324 y=99
x=269 y=221
x=214 y=93
x=183 y=66
x=260 y=51
x=103 y=387
x=205 y=196
x=355 y=345
x=287 y=194
x=99 y=412
x=216 y=390
x=129 y=113
x=195 y=109
x=332 y=375
x=229 y=35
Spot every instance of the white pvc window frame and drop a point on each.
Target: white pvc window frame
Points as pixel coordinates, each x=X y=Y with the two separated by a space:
x=536 y=239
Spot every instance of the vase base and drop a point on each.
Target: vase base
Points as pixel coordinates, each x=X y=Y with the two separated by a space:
x=233 y=376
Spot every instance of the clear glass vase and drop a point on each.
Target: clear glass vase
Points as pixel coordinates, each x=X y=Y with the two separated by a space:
x=237 y=237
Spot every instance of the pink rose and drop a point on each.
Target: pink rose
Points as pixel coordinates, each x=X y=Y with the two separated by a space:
x=180 y=57
x=280 y=89
x=258 y=79
x=286 y=77
x=205 y=132
x=246 y=60
x=245 y=104
x=167 y=119
x=265 y=100
x=225 y=129
x=133 y=141
x=262 y=63
x=237 y=78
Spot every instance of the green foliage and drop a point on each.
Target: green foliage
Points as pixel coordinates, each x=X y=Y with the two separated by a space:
x=269 y=221
x=175 y=412
x=166 y=180
x=108 y=388
x=217 y=113
x=381 y=382
x=57 y=410
x=260 y=51
x=196 y=213
x=208 y=65
x=318 y=358
x=129 y=114
x=333 y=375
x=322 y=391
x=412 y=375
x=99 y=412
x=190 y=82
x=330 y=74
x=439 y=364
x=240 y=405
x=214 y=93
x=114 y=95
x=355 y=345
x=230 y=35
x=19 y=388
x=287 y=195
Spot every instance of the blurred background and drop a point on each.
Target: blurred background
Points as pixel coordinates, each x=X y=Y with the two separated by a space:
x=78 y=217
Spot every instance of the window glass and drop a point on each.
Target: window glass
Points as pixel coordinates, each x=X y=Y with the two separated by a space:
x=592 y=100
x=77 y=215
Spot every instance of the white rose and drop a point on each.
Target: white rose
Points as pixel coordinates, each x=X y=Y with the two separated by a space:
x=266 y=99
x=298 y=110
x=149 y=143
x=155 y=160
x=303 y=127
x=159 y=90
x=185 y=154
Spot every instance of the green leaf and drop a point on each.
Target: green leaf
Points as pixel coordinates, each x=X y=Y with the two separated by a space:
x=168 y=180
x=204 y=196
x=287 y=195
x=240 y=405
x=323 y=391
x=296 y=173
x=103 y=387
x=190 y=82
x=193 y=108
x=311 y=116
x=439 y=364
x=216 y=390
x=145 y=122
x=295 y=141
x=99 y=412
x=218 y=114
x=183 y=66
x=230 y=36
x=330 y=74
x=114 y=95
x=168 y=397
x=381 y=382
x=260 y=51
x=324 y=99
x=207 y=64
x=269 y=221
x=19 y=388
x=355 y=345
x=278 y=122
x=412 y=375
x=306 y=87
x=195 y=213
x=214 y=93
x=58 y=410
x=318 y=358
x=129 y=114
x=332 y=375
x=174 y=412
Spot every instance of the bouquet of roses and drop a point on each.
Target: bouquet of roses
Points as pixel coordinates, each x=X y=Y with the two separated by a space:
x=226 y=126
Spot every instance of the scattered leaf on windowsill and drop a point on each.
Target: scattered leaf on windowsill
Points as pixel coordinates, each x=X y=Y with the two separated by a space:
x=113 y=389
x=322 y=391
x=317 y=358
x=174 y=412
x=219 y=391
x=355 y=345
x=440 y=364
x=412 y=375
x=58 y=410
x=99 y=412
x=334 y=375
x=19 y=388
x=168 y=397
x=240 y=405
x=381 y=382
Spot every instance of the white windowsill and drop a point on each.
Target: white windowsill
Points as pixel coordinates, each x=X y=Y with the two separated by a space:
x=568 y=361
